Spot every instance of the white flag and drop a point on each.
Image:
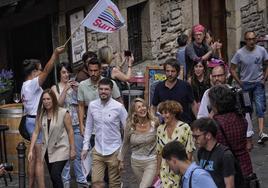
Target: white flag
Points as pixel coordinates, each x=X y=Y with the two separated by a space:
x=104 y=17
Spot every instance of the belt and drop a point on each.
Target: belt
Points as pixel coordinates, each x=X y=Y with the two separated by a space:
x=31 y=116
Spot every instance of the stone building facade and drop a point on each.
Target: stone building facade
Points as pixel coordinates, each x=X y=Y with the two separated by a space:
x=243 y=15
x=155 y=24
x=163 y=20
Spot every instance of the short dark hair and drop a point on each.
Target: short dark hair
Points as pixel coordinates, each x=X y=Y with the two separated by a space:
x=182 y=40
x=173 y=63
x=94 y=61
x=222 y=98
x=88 y=54
x=174 y=149
x=29 y=65
x=106 y=81
x=66 y=65
x=205 y=125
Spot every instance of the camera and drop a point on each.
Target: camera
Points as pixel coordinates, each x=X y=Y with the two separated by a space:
x=243 y=101
x=7 y=166
x=127 y=53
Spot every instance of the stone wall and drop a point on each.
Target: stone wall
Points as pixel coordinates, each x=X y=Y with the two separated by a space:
x=253 y=17
x=175 y=19
x=162 y=21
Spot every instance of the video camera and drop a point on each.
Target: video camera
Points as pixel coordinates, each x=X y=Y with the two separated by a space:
x=7 y=166
x=243 y=101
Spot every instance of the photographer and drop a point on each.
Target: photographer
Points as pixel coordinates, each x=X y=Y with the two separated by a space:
x=218 y=77
x=232 y=126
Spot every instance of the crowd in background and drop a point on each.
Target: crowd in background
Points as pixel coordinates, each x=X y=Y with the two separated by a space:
x=83 y=117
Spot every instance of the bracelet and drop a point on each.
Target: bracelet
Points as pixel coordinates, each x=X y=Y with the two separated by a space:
x=129 y=66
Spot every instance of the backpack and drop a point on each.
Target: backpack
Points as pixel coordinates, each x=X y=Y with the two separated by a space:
x=239 y=178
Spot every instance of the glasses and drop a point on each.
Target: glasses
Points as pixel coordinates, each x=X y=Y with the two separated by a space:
x=196 y=136
x=217 y=75
x=248 y=39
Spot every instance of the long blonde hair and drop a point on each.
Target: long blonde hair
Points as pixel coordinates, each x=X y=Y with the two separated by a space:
x=105 y=54
x=132 y=118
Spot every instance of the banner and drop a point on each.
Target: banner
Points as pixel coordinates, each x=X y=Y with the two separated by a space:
x=104 y=17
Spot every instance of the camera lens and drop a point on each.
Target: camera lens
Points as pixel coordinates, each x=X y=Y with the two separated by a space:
x=8 y=166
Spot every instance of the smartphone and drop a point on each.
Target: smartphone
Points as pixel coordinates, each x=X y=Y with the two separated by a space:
x=127 y=53
x=72 y=76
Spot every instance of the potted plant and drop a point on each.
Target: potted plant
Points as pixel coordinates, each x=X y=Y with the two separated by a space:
x=6 y=85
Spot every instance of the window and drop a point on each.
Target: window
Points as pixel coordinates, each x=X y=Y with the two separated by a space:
x=135 y=31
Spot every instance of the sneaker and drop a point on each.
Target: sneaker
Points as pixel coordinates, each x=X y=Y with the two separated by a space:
x=262 y=138
x=83 y=185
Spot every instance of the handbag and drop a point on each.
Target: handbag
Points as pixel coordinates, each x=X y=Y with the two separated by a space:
x=22 y=129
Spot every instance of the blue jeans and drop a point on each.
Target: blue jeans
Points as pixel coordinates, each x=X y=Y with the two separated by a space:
x=30 y=126
x=80 y=178
x=257 y=93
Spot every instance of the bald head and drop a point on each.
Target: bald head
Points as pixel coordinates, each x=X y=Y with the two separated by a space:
x=218 y=75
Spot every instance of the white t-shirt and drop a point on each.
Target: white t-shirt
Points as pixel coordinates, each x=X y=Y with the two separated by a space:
x=30 y=95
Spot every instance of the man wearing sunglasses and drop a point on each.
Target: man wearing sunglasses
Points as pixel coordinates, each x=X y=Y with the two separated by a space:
x=251 y=59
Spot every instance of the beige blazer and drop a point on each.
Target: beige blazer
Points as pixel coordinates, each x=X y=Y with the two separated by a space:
x=56 y=142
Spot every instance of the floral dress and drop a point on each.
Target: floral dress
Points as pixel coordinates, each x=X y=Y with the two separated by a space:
x=181 y=133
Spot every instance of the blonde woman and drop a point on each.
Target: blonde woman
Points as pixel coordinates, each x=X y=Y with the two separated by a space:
x=140 y=136
x=172 y=130
x=106 y=56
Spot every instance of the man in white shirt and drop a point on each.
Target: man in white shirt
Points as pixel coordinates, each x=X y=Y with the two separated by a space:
x=107 y=116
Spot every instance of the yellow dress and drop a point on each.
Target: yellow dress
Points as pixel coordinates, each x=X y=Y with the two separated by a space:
x=181 y=133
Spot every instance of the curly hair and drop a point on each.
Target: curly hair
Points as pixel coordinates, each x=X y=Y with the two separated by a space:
x=223 y=99
x=172 y=107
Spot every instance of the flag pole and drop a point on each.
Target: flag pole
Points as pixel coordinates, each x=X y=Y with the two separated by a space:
x=80 y=25
x=72 y=35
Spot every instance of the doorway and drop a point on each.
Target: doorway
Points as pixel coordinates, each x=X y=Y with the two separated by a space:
x=212 y=14
x=32 y=40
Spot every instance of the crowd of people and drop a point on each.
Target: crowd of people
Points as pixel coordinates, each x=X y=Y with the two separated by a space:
x=84 y=117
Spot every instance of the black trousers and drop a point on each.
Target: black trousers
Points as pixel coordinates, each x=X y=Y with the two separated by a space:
x=55 y=170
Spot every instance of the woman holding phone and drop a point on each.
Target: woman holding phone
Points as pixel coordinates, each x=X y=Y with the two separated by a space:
x=66 y=93
x=106 y=56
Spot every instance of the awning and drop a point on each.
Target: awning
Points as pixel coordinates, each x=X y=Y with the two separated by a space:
x=8 y=2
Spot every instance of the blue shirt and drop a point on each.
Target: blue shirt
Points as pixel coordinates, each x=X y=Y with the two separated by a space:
x=200 y=178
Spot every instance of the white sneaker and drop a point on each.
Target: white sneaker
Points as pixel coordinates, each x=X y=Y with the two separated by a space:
x=262 y=138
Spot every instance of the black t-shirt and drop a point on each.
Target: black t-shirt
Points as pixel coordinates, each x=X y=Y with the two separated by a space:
x=221 y=163
x=199 y=90
x=181 y=92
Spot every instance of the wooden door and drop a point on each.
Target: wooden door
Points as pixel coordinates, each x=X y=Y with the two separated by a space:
x=212 y=14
